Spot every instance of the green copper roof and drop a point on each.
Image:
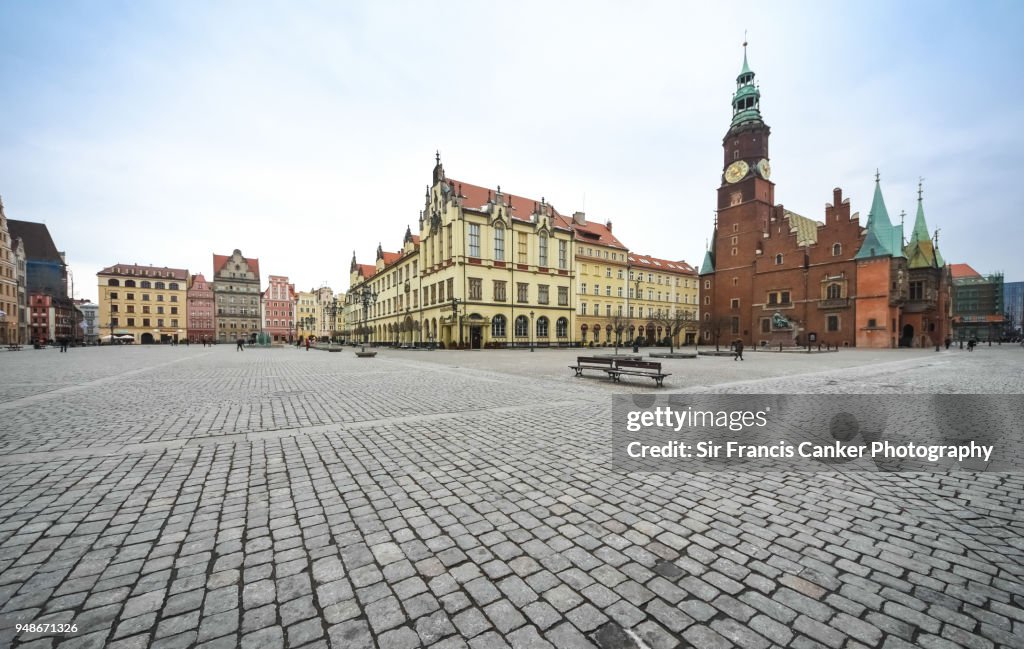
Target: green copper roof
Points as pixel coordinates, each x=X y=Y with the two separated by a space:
x=747 y=98
x=883 y=239
x=921 y=251
x=708 y=266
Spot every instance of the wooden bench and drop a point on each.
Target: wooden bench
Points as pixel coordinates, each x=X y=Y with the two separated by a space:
x=14 y=347
x=592 y=363
x=638 y=368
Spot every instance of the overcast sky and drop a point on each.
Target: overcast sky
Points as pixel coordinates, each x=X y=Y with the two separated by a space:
x=163 y=132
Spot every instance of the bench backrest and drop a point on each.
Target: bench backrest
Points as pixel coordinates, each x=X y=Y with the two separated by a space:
x=640 y=365
x=597 y=360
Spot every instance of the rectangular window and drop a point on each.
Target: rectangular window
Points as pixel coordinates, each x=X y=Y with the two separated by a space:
x=499 y=243
x=583 y=288
x=113 y=296
x=766 y=325
x=145 y=322
x=522 y=292
x=145 y=297
x=451 y=288
x=735 y=325
x=476 y=289
x=521 y=247
x=563 y=296
x=608 y=291
x=160 y=322
x=833 y=323
x=160 y=310
x=563 y=255
x=440 y=291
x=608 y=310
x=474 y=239
x=499 y=291
x=917 y=290
x=542 y=251
x=542 y=294
x=785 y=297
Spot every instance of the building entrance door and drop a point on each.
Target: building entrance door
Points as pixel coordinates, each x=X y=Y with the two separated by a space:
x=476 y=337
x=907 y=340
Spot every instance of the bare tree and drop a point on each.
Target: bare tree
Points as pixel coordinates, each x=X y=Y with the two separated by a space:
x=619 y=323
x=715 y=327
x=672 y=322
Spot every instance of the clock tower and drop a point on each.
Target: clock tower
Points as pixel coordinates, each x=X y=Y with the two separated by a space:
x=746 y=171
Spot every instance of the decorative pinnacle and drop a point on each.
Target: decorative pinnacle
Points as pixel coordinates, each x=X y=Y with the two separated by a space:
x=878 y=175
x=437 y=156
x=920 y=181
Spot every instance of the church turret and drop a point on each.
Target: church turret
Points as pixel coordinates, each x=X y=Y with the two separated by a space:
x=882 y=239
x=746 y=102
x=921 y=251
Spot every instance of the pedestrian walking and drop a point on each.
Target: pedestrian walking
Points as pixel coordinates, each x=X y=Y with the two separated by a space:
x=307 y=344
x=63 y=345
x=738 y=346
x=240 y=345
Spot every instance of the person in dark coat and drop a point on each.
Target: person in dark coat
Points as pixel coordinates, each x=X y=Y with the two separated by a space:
x=240 y=345
x=738 y=346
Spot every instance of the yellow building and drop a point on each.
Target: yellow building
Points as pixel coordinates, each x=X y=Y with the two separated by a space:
x=663 y=295
x=146 y=303
x=307 y=314
x=601 y=262
x=488 y=269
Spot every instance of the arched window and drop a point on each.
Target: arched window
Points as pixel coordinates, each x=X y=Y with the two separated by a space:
x=113 y=282
x=778 y=259
x=542 y=327
x=542 y=260
x=834 y=291
x=499 y=242
x=498 y=325
x=159 y=285
x=129 y=283
x=522 y=327
x=173 y=286
x=145 y=284
x=837 y=249
x=562 y=327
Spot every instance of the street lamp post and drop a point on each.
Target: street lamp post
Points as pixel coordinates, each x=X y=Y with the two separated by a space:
x=640 y=309
x=457 y=316
x=366 y=296
x=531 y=331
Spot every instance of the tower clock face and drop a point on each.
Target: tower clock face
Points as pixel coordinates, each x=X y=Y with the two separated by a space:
x=737 y=171
x=764 y=169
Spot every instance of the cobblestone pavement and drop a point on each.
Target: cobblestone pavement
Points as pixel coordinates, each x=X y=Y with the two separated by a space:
x=174 y=497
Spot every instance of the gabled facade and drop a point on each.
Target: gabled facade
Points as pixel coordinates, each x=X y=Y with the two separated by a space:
x=664 y=296
x=201 y=308
x=236 y=290
x=278 y=309
x=488 y=269
x=773 y=277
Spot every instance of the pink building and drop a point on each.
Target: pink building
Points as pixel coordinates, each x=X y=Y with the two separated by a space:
x=200 y=310
x=278 y=307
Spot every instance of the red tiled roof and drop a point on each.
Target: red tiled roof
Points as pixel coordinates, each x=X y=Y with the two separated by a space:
x=220 y=260
x=653 y=264
x=475 y=197
x=597 y=233
x=963 y=270
x=145 y=271
x=391 y=257
x=367 y=270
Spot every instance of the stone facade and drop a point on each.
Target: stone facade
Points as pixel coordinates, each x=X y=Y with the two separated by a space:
x=236 y=288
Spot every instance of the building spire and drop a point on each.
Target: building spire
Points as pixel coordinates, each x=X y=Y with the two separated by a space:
x=746 y=101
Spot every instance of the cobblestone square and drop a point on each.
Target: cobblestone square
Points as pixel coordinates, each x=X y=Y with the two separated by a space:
x=177 y=497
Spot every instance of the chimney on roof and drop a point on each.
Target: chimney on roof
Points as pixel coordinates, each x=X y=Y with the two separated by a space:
x=579 y=218
x=608 y=224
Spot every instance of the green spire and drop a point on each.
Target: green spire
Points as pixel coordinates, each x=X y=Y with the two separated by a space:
x=746 y=101
x=920 y=232
x=922 y=251
x=882 y=238
x=708 y=267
